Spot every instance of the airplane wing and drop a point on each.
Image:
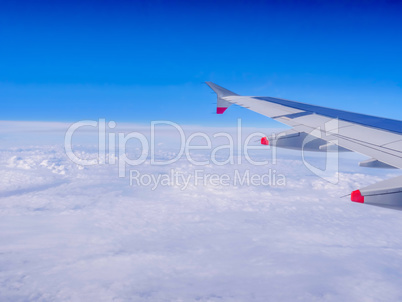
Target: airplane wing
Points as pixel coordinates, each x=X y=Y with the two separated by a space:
x=376 y=137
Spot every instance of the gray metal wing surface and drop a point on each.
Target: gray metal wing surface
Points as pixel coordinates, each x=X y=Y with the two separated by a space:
x=376 y=137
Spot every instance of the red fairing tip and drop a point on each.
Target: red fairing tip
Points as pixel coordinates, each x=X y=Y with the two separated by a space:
x=264 y=141
x=357 y=196
x=220 y=110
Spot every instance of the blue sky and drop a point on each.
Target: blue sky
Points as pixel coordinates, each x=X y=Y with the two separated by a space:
x=136 y=62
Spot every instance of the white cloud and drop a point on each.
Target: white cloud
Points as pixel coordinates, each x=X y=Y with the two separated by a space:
x=72 y=233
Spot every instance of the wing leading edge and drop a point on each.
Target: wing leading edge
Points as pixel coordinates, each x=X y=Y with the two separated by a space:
x=376 y=137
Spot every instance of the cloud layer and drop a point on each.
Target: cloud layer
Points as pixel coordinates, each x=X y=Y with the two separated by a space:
x=71 y=233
